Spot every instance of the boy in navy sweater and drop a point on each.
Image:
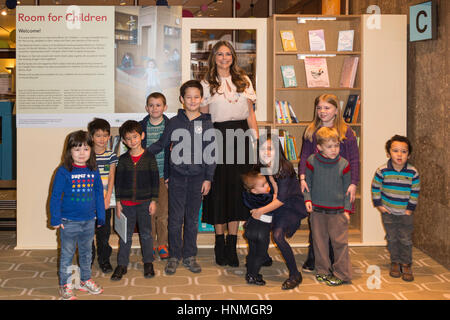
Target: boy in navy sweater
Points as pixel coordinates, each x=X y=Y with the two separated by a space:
x=190 y=174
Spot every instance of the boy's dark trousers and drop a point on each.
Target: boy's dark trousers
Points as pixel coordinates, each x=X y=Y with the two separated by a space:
x=137 y=214
x=258 y=237
x=185 y=199
x=102 y=234
x=399 y=230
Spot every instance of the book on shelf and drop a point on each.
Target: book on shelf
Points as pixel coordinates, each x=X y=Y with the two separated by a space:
x=288 y=73
x=292 y=113
x=316 y=40
x=348 y=73
x=288 y=40
x=352 y=108
x=288 y=145
x=345 y=40
x=316 y=72
x=284 y=112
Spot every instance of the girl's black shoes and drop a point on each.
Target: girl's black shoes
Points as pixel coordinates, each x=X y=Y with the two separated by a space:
x=290 y=284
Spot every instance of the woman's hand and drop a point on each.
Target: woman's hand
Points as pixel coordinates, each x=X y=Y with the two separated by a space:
x=352 y=192
x=57 y=227
x=206 y=186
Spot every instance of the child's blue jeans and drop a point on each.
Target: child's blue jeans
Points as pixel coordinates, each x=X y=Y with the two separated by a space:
x=75 y=233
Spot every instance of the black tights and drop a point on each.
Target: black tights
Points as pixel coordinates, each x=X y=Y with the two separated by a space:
x=258 y=237
x=279 y=236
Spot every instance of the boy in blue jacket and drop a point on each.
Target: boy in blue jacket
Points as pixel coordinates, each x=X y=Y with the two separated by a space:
x=191 y=173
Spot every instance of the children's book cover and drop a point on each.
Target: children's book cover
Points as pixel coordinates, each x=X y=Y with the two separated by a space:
x=289 y=79
x=288 y=40
x=316 y=72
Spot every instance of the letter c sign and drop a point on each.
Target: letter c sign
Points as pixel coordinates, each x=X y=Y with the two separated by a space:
x=422 y=21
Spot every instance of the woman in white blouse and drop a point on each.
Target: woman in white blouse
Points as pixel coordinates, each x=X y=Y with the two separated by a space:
x=229 y=97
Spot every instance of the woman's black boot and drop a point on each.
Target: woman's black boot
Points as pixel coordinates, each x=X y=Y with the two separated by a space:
x=230 y=251
x=219 y=250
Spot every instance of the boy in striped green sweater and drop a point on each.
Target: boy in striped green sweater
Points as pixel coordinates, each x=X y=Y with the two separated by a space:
x=395 y=191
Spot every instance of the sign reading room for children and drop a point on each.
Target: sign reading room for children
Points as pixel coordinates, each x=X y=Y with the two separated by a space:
x=65 y=62
x=69 y=16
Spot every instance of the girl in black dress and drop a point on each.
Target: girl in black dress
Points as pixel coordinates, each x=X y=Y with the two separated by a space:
x=287 y=207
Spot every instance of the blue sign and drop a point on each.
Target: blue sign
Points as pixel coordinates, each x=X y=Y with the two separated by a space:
x=422 y=21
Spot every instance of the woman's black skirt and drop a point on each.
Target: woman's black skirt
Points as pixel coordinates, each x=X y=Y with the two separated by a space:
x=224 y=203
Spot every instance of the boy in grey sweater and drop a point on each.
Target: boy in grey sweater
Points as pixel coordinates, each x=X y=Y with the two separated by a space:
x=328 y=175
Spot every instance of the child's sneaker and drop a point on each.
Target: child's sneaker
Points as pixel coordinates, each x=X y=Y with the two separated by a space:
x=163 y=252
x=322 y=277
x=90 y=286
x=171 y=266
x=66 y=292
x=335 y=281
x=191 y=264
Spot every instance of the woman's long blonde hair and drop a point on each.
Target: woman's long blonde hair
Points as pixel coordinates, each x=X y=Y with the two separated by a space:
x=339 y=123
x=237 y=74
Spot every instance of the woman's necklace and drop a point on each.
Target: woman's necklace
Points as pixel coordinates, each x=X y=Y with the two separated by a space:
x=230 y=95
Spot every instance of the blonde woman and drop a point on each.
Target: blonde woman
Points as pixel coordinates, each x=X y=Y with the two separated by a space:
x=229 y=97
x=328 y=114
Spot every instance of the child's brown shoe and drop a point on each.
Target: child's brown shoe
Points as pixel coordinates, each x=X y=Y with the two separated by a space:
x=395 y=270
x=407 y=274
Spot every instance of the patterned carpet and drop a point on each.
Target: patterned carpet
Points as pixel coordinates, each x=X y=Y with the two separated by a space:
x=31 y=275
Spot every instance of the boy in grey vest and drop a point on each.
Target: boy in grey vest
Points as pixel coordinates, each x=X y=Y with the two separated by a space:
x=328 y=175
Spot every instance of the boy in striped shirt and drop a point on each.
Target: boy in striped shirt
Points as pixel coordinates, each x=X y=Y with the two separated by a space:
x=395 y=191
x=100 y=130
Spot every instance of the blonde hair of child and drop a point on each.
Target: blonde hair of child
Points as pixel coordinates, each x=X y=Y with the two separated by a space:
x=326 y=134
x=339 y=123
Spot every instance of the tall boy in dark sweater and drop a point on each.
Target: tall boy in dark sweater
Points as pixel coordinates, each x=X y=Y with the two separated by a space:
x=328 y=175
x=191 y=171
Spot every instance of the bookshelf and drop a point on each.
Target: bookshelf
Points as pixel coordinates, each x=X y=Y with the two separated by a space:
x=379 y=51
x=302 y=97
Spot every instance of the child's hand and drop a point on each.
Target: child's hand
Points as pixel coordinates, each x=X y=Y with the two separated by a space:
x=308 y=206
x=382 y=209
x=152 y=208
x=107 y=202
x=57 y=227
x=118 y=209
x=351 y=191
x=206 y=186
x=347 y=215
x=304 y=185
x=166 y=183
x=257 y=213
x=408 y=212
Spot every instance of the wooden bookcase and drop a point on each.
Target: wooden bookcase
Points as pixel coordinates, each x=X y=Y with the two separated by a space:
x=302 y=97
x=370 y=44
